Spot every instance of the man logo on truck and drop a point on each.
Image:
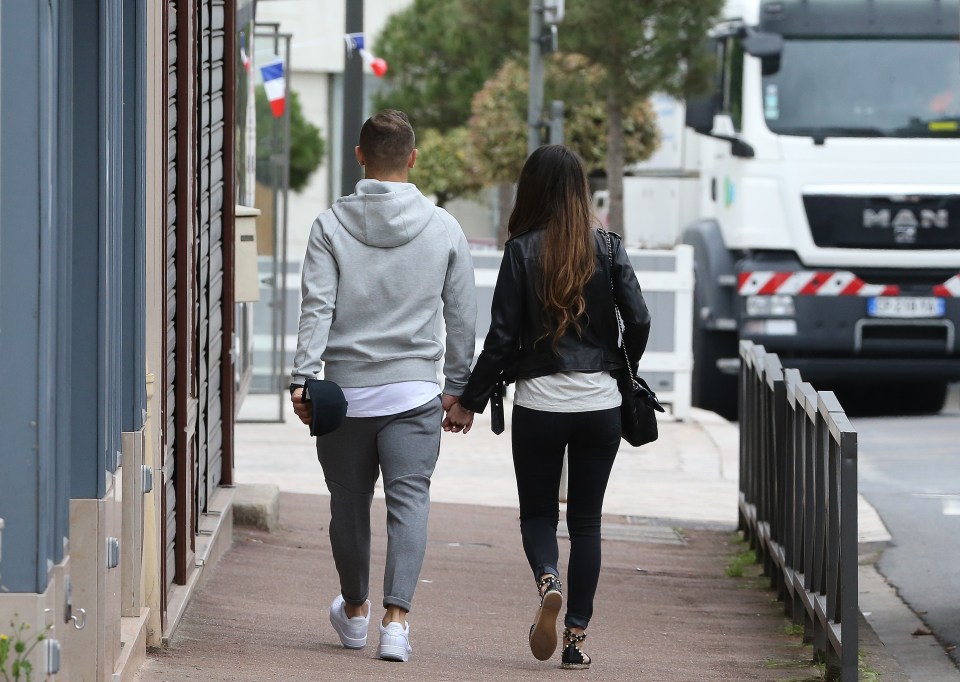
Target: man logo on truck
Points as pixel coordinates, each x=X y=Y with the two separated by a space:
x=905 y=223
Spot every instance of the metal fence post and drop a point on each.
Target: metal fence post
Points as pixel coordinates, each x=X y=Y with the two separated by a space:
x=798 y=502
x=776 y=454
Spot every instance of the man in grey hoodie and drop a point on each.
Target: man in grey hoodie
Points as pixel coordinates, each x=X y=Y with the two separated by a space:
x=378 y=266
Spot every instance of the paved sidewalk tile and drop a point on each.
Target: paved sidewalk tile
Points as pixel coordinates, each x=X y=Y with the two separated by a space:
x=665 y=610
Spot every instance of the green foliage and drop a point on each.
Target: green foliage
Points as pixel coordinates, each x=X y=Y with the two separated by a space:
x=15 y=650
x=498 y=127
x=306 y=145
x=446 y=166
x=646 y=46
x=740 y=561
x=866 y=673
x=793 y=629
x=440 y=52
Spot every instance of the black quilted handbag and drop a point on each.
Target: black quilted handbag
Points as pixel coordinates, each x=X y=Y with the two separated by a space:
x=637 y=411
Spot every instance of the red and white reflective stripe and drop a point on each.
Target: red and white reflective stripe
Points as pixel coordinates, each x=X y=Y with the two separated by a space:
x=811 y=283
x=949 y=289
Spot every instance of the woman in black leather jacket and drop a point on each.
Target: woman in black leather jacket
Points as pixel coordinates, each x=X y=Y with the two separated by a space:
x=554 y=331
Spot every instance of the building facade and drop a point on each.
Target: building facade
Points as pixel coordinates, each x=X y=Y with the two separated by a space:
x=121 y=126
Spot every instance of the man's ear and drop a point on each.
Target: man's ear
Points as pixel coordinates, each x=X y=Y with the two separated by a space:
x=359 y=154
x=412 y=159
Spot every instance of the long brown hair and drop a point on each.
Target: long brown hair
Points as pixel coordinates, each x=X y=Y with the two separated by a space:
x=553 y=195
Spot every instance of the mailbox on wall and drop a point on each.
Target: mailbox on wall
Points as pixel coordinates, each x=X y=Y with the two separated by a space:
x=246 y=278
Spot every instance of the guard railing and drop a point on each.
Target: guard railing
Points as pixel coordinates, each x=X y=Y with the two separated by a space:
x=798 y=502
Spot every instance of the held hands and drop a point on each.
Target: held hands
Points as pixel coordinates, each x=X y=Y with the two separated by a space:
x=448 y=401
x=458 y=418
x=301 y=408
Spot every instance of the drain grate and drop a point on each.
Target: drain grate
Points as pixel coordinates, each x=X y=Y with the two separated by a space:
x=453 y=544
x=638 y=531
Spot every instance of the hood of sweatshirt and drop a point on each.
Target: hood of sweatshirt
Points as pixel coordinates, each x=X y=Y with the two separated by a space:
x=384 y=214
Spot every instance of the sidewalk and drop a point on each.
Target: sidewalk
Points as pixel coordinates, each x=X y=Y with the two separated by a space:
x=665 y=609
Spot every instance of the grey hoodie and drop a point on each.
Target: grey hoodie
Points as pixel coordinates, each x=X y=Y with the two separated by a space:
x=378 y=264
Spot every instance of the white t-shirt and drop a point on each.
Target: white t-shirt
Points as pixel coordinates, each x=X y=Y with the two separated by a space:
x=387 y=399
x=568 y=392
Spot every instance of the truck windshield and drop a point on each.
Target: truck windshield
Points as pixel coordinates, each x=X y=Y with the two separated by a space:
x=870 y=88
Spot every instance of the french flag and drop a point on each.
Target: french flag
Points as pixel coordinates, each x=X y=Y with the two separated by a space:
x=275 y=86
x=356 y=41
x=244 y=57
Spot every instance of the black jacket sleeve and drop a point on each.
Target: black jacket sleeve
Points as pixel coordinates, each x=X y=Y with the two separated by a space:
x=502 y=344
x=633 y=309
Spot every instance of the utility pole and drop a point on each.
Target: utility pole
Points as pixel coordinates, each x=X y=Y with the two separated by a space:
x=556 y=121
x=547 y=13
x=350 y=171
x=535 y=94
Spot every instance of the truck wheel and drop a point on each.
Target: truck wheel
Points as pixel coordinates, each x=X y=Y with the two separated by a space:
x=927 y=397
x=712 y=389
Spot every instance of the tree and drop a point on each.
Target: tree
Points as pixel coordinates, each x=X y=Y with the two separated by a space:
x=446 y=166
x=644 y=46
x=498 y=127
x=306 y=144
x=441 y=52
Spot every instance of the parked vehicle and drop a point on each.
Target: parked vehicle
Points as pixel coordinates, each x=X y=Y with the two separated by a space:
x=819 y=184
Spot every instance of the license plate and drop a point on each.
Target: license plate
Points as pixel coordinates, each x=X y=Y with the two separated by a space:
x=906 y=306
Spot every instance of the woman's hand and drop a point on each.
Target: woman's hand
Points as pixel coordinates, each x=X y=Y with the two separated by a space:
x=458 y=419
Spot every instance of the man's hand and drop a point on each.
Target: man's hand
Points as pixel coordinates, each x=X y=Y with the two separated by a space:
x=458 y=419
x=301 y=408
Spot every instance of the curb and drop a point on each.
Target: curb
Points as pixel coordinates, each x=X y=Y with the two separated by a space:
x=257 y=505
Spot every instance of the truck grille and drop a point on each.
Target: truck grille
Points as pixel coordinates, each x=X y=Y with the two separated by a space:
x=875 y=222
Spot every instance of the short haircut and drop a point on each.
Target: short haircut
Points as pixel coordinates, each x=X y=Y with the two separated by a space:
x=386 y=140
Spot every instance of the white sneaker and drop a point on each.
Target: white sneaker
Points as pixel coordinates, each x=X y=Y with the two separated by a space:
x=395 y=642
x=352 y=631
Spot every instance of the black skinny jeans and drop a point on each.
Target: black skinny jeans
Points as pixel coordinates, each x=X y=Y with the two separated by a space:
x=539 y=441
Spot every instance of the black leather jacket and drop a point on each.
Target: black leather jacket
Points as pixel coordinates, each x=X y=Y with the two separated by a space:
x=514 y=348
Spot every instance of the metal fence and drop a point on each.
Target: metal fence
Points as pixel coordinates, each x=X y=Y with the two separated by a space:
x=798 y=502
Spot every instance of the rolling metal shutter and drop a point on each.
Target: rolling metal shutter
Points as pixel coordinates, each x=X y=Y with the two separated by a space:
x=198 y=150
x=210 y=265
x=170 y=312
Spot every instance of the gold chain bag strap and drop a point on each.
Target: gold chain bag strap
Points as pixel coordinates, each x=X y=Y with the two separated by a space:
x=639 y=404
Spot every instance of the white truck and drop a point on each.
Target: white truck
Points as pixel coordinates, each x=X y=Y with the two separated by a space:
x=819 y=185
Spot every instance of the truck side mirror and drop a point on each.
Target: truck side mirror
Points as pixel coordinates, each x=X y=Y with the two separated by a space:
x=700 y=113
x=763 y=45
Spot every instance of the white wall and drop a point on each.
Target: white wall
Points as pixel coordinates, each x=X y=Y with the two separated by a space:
x=317 y=29
x=313 y=89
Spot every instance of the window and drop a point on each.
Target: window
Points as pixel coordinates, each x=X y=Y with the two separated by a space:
x=865 y=87
x=732 y=102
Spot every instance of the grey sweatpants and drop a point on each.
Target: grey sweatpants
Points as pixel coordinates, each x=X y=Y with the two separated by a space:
x=404 y=447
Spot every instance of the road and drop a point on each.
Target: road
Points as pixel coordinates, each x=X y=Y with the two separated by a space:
x=909 y=470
